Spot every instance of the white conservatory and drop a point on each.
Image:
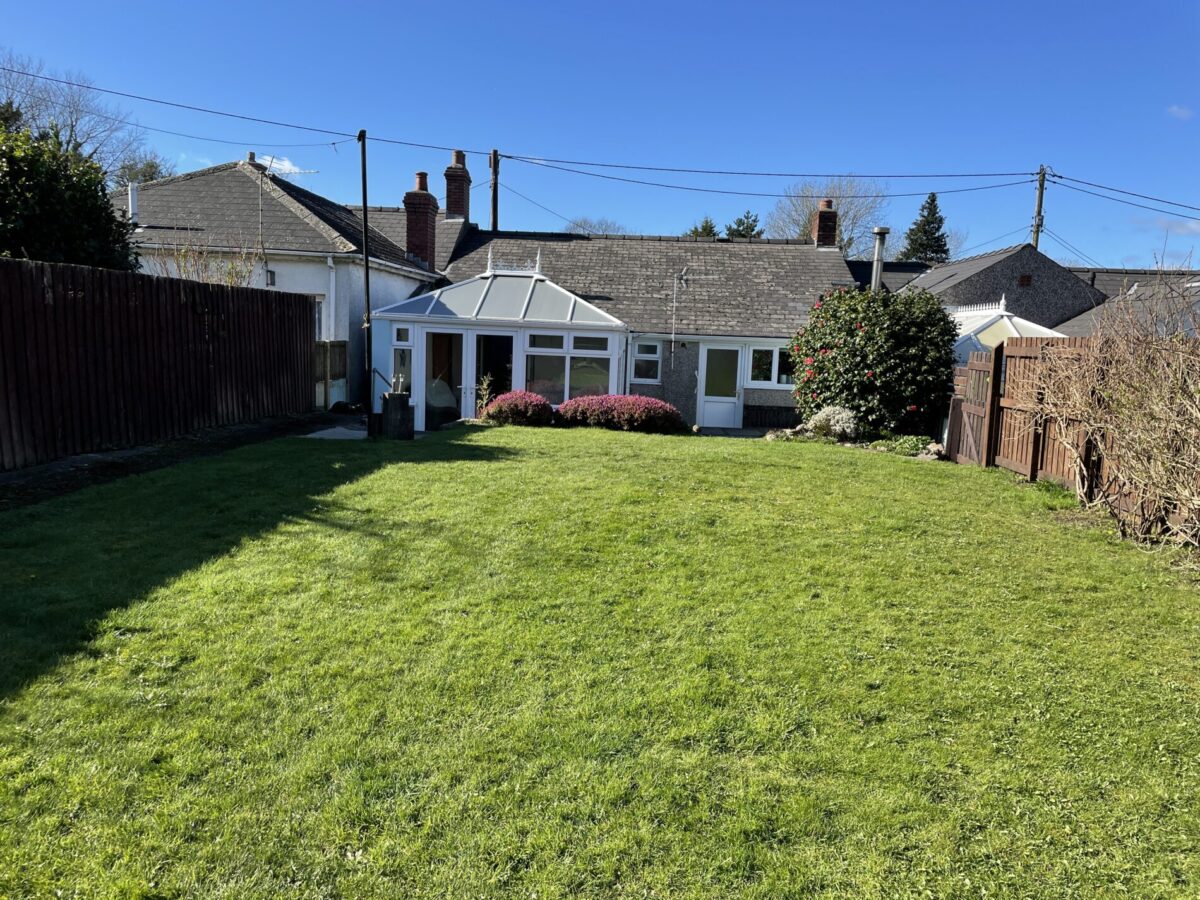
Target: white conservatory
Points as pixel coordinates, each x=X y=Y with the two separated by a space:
x=508 y=328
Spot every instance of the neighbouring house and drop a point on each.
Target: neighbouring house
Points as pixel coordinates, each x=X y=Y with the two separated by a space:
x=1034 y=286
x=238 y=223
x=1169 y=296
x=700 y=322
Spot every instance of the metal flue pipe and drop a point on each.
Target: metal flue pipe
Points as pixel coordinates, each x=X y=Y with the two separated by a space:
x=881 y=234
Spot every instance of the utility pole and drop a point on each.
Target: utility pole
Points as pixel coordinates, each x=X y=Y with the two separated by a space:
x=367 y=387
x=1037 y=210
x=494 y=162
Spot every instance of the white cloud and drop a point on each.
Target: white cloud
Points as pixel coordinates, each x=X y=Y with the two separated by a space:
x=1178 y=226
x=1180 y=112
x=280 y=165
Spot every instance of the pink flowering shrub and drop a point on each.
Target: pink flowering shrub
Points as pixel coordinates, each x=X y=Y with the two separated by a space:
x=622 y=412
x=519 y=408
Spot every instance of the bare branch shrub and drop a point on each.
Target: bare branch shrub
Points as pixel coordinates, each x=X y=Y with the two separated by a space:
x=1126 y=405
x=186 y=257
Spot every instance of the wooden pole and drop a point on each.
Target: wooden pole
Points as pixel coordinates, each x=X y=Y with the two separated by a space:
x=494 y=162
x=1037 y=210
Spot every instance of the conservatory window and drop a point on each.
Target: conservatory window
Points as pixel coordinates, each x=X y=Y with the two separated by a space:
x=589 y=375
x=546 y=376
x=545 y=342
x=647 y=358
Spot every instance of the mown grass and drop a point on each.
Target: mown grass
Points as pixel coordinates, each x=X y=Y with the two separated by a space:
x=533 y=662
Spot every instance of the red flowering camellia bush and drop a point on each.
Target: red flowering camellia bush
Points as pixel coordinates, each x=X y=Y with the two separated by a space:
x=889 y=358
x=519 y=408
x=622 y=412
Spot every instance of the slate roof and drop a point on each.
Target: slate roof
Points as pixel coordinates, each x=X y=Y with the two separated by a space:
x=1114 y=282
x=947 y=275
x=221 y=207
x=742 y=288
x=1137 y=297
x=895 y=274
x=393 y=222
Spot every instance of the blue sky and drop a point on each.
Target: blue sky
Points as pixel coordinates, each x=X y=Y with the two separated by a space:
x=1103 y=91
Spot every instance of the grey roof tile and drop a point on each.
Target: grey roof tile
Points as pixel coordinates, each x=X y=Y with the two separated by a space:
x=238 y=204
x=735 y=287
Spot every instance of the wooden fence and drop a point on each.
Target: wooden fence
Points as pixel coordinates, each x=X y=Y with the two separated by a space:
x=993 y=415
x=94 y=359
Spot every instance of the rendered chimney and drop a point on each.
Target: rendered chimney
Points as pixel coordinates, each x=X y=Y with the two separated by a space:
x=824 y=226
x=420 y=209
x=458 y=188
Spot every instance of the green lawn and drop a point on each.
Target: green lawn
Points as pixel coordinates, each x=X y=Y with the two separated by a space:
x=542 y=663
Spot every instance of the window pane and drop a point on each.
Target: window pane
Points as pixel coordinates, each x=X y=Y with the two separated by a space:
x=401 y=335
x=547 y=376
x=786 y=370
x=645 y=369
x=590 y=343
x=761 y=362
x=546 y=341
x=589 y=375
x=402 y=370
x=720 y=373
x=646 y=350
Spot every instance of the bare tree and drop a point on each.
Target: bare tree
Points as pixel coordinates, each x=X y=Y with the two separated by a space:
x=955 y=239
x=585 y=225
x=857 y=201
x=99 y=130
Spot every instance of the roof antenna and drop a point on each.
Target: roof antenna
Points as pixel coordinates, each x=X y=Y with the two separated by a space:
x=680 y=279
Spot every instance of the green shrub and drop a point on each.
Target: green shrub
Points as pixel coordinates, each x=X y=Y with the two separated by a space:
x=904 y=445
x=888 y=358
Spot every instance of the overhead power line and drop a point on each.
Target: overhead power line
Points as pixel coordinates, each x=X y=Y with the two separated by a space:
x=1165 y=212
x=1023 y=228
x=704 y=190
x=546 y=208
x=688 y=171
x=1126 y=193
x=1071 y=248
x=194 y=137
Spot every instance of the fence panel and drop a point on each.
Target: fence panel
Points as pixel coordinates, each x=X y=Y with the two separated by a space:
x=92 y=359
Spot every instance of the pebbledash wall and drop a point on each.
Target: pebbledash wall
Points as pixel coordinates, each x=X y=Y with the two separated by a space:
x=1033 y=286
x=762 y=407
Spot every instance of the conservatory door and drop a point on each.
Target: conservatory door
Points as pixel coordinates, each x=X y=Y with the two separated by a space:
x=443 y=378
x=720 y=386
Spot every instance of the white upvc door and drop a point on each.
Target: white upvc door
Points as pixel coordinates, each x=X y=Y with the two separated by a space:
x=720 y=386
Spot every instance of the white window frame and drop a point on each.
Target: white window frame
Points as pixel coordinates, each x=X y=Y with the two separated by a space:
x=773 y=384
x=634 y=356
x=551 y=351
x=567 y=353
x=396 y=342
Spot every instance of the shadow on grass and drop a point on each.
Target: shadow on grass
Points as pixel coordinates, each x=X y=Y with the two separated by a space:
x=66 y=563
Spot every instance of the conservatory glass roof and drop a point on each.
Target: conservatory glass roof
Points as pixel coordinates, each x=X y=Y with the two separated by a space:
x=504 y=295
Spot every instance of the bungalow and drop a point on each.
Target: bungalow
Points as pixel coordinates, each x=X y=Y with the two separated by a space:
x=238 y=223
x=700 y=322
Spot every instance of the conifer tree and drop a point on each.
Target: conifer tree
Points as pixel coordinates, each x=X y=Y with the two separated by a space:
x=706 y=227
x=925 y=241
x=744 y=226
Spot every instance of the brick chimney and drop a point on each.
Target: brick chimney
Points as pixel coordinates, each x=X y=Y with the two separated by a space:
x=458 y=188
x=420 y=208
x=824 y=226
